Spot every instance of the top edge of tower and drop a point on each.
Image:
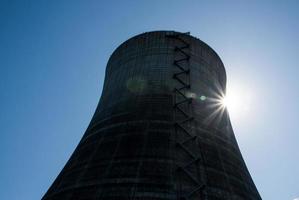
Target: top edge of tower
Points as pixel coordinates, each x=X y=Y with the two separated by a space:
x=171 y=32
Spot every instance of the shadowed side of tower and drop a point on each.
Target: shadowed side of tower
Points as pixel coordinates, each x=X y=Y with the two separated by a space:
x=158 y=132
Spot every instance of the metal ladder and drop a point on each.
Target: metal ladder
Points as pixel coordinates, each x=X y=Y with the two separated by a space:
x=185 y=139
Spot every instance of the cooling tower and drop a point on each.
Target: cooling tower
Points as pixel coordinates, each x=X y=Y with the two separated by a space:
x=159 y=131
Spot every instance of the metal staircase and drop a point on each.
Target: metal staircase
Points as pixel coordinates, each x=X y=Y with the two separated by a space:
x=189 y=170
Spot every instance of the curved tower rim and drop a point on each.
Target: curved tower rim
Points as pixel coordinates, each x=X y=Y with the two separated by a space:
x=159 y=31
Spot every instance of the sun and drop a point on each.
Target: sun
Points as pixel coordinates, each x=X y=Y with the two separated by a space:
x=224 y=101
x=233 y=102
x=236 y=101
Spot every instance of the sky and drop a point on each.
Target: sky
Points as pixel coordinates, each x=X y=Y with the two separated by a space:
x=53 y=56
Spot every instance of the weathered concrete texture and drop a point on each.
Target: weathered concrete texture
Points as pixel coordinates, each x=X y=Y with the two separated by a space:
x=158 y=131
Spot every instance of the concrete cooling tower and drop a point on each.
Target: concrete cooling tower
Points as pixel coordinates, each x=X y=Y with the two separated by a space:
x=159 y=131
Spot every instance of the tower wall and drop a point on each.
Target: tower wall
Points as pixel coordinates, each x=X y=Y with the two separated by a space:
x=159 y=131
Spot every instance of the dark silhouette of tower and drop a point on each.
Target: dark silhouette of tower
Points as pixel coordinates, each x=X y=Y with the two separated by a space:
x=159 y=131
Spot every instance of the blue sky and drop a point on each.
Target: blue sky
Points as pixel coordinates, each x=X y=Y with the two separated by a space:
x=52 y=62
